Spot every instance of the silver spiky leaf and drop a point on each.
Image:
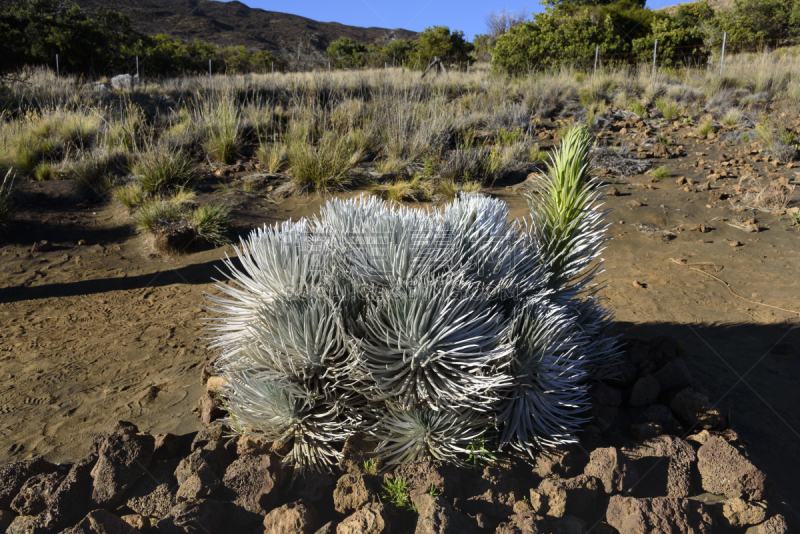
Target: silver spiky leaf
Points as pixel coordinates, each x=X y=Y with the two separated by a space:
x=419 y=434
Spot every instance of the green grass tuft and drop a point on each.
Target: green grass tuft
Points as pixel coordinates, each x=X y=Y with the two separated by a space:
x=164 y=171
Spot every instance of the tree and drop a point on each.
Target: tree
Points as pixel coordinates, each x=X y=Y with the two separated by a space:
x=451 y=48
x=679 y=43
x=347 y=53
x=552 y=38
x=499 y=22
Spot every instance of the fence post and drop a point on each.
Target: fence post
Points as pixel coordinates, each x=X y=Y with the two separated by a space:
x=273 y=66
x=655 y=50
x=329 y=67
x=57 y=65
x=137 y=67
x=209 y=68
x=596 y=53
x=722 y=59
x=467 y=66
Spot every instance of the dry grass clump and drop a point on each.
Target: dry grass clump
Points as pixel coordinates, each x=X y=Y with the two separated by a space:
x=416 y=189
x=128 y=195
x=618 y=161
x=450 y=189
x=767 y=196
x=321 y=166
x=94 y=173
x=668 y=108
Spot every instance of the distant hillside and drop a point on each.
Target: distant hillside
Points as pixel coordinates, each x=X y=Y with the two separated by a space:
x=716 y=5
x=234 y=23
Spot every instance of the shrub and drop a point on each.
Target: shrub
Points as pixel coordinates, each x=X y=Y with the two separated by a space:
x=128 y=195
x=669 y=108
x=43 y=171
x=164 y=171
x=95 y=173
x=220 y=117
x=661 y=173
x=274 y=157
x=420 y=328
x=706 y=128
x=211 y=223
x=323 y=166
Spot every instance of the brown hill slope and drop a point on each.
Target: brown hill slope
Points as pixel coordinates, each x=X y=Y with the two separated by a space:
x=234 y=23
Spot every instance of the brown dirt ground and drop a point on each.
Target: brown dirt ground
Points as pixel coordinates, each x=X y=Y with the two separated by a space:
x=107 y=330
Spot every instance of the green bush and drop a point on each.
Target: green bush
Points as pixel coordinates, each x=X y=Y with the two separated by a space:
x=165 y=171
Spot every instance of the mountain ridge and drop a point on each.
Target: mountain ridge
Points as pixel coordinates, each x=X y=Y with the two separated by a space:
x=234 y=23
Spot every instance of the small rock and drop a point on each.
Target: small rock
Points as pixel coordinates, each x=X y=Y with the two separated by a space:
x=123 y=456
x=14 y=474
x=154 y=495
x=371 y=519
x=616 y=472
x=527 y=523
x=102 y=522
x=137 y=521
x=293 y=518
x=252 y=446
x=166 y=447
x=559 y=463
x=645 y=391
x=740 y=513
x=327 y=528
x=575 y=496
x=774 y=525
x=352 y=492
x=635 y=204
x=672 y=477
x=81 y=242
x=42 y=246
x=674 y=374
x=724 y=471
x=209 y=408
x=37 y=491
x=630 y=515
x=202 y=484
x=494 y=495
x=696 y=410
x=613 y=192
x=71 y=500
x=203 y=517
x=436 y=516
x=21 y=524
x=639 y=285
x=253 y=483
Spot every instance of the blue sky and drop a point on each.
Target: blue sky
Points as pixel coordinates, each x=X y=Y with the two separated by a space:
x=416 y=15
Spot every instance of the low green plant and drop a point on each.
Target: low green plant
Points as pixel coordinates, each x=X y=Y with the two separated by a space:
x=509 y=137
x=537 y=155
x=661 y=173
x=398 y=493
x=786 y=137
x=129 y=195
x=449 y=189
x=371 y=466
x=150 y=213
x=273 y=157
x=434 y=491
x=637 y=107
x=706 y=128
x=164 y=171
x=323 y=166
x=43 y=171
x=479 y=455
x=212 y=222
x=669 y=108
x=415 y=190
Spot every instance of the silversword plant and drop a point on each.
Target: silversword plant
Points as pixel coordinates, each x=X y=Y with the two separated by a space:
x=421 y=328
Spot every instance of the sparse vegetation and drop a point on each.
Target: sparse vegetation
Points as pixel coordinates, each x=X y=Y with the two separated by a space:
x=398 y=493
x=661 y=173
x=707 y=127
x=129 y=195
x=164 y=171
